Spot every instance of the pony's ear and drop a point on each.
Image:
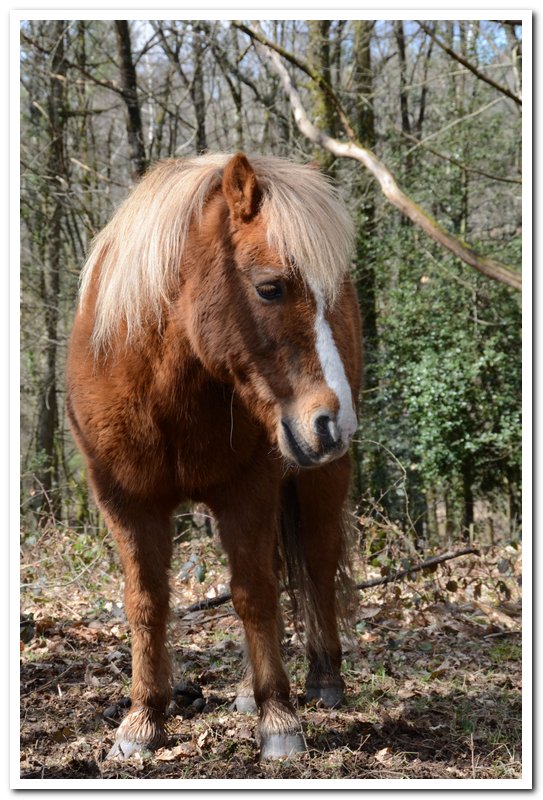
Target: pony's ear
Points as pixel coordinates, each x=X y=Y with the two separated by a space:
x=241 y=189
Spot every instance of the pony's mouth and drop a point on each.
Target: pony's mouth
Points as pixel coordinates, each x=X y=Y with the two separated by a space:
x=300 y=451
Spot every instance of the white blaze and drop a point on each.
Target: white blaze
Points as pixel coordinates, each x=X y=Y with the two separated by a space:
x=334 y=371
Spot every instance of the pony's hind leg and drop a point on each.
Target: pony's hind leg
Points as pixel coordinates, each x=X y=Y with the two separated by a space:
x=250 y=539
x=321 y=496
x=245 y=701
x=144 y=542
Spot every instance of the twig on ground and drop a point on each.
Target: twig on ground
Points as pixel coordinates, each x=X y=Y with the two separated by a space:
x=395 y=576
x=52 y=682
x=213 y=602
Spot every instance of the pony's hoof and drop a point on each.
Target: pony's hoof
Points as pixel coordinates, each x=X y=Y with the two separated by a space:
x=329 y=696
x=124 y=749
x=245 y=704
x=282 y=745
x=141 y=731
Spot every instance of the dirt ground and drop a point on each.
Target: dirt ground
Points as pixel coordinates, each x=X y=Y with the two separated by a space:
x=432 y=668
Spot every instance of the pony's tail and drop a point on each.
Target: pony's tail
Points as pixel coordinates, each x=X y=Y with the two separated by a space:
x=299 y=585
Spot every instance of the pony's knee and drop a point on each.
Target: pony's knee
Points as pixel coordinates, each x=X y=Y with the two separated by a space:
x=255 y=600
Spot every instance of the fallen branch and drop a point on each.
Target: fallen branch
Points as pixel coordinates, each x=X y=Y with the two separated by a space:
x=431 y=562
x=54 y=681
x=356 y=151
x=213 y=602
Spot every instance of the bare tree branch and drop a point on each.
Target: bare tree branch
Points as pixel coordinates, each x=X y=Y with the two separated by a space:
x=106 y=84
x=354 y=150
x=468 y=65
x=313 y=74
x=227 y=67
x=456 y=162
x=512 y=23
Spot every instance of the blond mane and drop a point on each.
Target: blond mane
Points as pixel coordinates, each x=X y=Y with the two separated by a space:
x=139 y=253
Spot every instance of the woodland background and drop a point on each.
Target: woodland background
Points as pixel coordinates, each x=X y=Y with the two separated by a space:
x=434 y=104
x=439 y=444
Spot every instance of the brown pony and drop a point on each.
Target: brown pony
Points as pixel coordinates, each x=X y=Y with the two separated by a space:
x=216 y=357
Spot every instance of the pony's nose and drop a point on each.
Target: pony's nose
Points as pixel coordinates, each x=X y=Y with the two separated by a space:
x=325 y=426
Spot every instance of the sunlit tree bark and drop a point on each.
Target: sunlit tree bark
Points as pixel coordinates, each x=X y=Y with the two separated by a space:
x=129 y=91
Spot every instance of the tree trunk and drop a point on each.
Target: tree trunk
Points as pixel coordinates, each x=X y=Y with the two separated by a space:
x=450 y=526
x=404 y=105
x=431 y=516
x=365 y=130
x=324 y=113
x=231 y=74
x=235 y=88
x=155 y=147
x=514 y=504
x=424 y=90
x=197 y=91
x=46 y=475
x=129 y=92
x=374 y=470
x=468 y=501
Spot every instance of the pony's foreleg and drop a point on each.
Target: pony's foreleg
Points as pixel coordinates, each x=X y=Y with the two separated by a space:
x=144 y=543
x=321 y=497
x=245 y=700
x=251 y=548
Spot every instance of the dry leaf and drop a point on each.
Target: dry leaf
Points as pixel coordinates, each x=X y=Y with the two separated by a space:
x=165 y=755
x=62 y=734
x=383 y=755
x=438 y=672
x=203 y=738
x=181 y=750
x=367 y=612
x=496 y=616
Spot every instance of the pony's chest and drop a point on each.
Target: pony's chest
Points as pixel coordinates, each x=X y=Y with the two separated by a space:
x=212 y=438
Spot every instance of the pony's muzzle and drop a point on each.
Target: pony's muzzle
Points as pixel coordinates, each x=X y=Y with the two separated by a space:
x=317 y=443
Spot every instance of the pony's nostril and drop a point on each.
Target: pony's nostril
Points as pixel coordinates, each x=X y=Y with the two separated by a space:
x=321 y=424
x=326 y=429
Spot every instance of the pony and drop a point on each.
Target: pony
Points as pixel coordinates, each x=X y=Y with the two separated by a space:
x=215 y=357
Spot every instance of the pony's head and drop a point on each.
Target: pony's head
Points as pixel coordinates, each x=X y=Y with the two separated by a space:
x=271 y=308
x=250 y=259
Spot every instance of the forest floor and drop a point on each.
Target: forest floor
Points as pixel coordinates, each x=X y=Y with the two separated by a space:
x=432 y=670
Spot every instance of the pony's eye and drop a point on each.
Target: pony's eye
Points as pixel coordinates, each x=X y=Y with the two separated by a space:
x=270 y=291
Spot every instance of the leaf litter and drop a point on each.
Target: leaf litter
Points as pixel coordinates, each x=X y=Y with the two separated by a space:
x=432 y=671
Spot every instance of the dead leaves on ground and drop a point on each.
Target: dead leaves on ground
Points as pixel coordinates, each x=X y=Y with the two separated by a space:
x=432 y=670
